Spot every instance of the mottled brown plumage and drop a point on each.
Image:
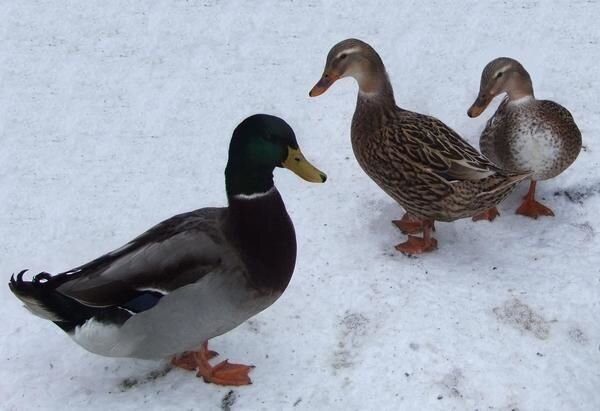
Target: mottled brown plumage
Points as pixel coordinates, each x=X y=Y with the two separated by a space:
x=419 y=161
x=424 y=165
x=525 y=133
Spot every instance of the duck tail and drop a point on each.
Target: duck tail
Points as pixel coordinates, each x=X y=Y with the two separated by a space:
x=43 y=300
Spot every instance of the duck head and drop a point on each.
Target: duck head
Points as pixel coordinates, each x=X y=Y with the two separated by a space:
x=259 y=144
x=352 y=58
x=501 y=75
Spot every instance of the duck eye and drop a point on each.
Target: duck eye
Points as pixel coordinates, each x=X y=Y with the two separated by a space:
x=499 y=74
x=343 y=56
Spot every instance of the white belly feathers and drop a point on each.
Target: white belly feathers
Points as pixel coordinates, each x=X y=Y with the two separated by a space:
x=536 y=149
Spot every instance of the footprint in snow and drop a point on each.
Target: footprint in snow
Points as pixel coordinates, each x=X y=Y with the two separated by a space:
x=132 y=382
x=520 y=316
x=451 y=382
x=228 y=400
x=353 y=328
x=578 y=336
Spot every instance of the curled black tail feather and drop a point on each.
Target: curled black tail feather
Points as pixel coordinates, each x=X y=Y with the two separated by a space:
x=39 y=277
x=41 y=298
x=23 y=288
x=39 y=281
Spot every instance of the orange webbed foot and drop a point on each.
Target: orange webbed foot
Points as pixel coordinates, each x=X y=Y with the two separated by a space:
x=530 y=207
x=489 y=215
x=533 y=209
x=226 y=373
x=417 y=245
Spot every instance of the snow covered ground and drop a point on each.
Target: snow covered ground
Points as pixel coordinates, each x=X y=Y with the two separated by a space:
x=117 y=114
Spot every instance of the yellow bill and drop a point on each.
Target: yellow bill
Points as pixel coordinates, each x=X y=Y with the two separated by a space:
x=296 y=162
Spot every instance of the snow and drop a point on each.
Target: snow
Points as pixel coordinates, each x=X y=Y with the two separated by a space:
x=117 y=114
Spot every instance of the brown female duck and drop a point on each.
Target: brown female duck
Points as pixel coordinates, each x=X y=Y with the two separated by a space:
x=525 y=133
x=416 y=159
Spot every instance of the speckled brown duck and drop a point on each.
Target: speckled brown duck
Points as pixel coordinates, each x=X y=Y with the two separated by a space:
x=416 y=159
x=525 y=133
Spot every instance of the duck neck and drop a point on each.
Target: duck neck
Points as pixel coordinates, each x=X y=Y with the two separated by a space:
x=242 y=180
x=521 y=86
x=375 y=99
x=374 y=84
x=259 y=227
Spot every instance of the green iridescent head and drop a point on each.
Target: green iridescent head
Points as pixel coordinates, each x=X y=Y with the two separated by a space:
x=259 y=144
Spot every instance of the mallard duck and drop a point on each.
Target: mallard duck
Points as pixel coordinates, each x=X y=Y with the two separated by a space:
x=193 y=276
x=416 y=159
x=525 y=133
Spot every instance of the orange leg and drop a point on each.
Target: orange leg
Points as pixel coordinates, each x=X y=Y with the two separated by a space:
x=417 y=245
x=409 y=224
x=490 y=214
x=224 y=373
x=532 y=208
